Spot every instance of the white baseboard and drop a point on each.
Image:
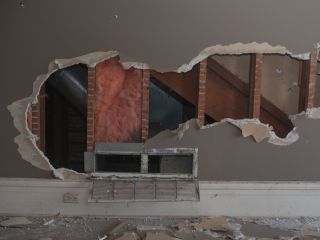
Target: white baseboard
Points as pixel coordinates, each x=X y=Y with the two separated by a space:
x=274 y=199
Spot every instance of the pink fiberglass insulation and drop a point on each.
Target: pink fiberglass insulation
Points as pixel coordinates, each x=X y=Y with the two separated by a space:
x=118 y=103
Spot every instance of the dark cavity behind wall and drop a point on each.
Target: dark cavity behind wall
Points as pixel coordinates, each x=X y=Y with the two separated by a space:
x=167 y=108
x=66 y=119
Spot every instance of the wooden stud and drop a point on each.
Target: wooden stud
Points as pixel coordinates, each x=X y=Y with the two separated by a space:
x=307 y=84
x=256 y=63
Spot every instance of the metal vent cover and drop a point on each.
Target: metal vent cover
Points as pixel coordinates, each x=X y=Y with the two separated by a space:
x=144 y=190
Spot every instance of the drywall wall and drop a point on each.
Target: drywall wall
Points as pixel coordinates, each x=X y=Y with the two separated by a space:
x=224 y=154
x=35 y=32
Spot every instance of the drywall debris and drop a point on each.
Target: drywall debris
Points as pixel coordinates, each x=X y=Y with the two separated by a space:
x=159 y=236
x=219 y=224
x=182 y=129
x=120 y=227
x=129 y=236
x=102 y=238
x=142 y=228
x=16 y=222
x=258 y=131
x=183 y=227
x=200 y=236
x=52 y=221
x=263 y=231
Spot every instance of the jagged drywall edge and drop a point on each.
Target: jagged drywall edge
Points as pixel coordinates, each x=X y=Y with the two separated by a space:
x=241 y=48
x=26 y=141
x=291 y=137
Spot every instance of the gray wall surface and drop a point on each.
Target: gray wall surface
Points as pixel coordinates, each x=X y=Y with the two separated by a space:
x=163 y=33
x=224 y=154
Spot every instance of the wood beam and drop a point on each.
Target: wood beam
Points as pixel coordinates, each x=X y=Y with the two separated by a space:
x=145 y=105
x=201 y=102
x=256 y=62
x=307 y=84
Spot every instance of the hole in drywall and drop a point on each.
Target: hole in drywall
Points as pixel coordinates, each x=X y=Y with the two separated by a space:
x=168 y=107
x=178 y=89
x=228 y=89
x=59 y=118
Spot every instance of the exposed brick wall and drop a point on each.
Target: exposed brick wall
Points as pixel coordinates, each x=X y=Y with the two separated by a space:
x=36 y=119
x=201 y=103
x=255 y=85
x=91 y=108
x=145 y=105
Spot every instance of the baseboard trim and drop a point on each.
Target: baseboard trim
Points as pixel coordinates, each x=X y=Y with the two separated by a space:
x=273 y=199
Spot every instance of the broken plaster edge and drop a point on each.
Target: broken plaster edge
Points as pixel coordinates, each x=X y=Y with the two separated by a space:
x=243 y=48
x=272 y=137
x=26 y=141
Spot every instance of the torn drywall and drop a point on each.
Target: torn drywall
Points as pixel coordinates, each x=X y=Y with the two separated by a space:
x=239 y=49
x=26 y=141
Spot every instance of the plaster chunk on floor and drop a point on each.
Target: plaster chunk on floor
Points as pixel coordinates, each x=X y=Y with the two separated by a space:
x=16 y=222
x=128 y=236
x=215 y=224
x=159 y=236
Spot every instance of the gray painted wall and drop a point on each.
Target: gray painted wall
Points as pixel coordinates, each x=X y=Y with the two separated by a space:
x=224 y=154
x=162 y=33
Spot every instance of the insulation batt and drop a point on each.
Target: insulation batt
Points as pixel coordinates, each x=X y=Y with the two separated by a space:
x=118 y=103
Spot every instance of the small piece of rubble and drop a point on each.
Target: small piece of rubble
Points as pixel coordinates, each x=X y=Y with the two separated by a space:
x=142 y=228
x=102 y=238
x=183 y=227
x=119 y=228
x=306 y=238
x=159 y=236
x=129 y=236
x=263 y=231
x=198 y=236
x=219 y=224
x=52 y=221
x=16 y=222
